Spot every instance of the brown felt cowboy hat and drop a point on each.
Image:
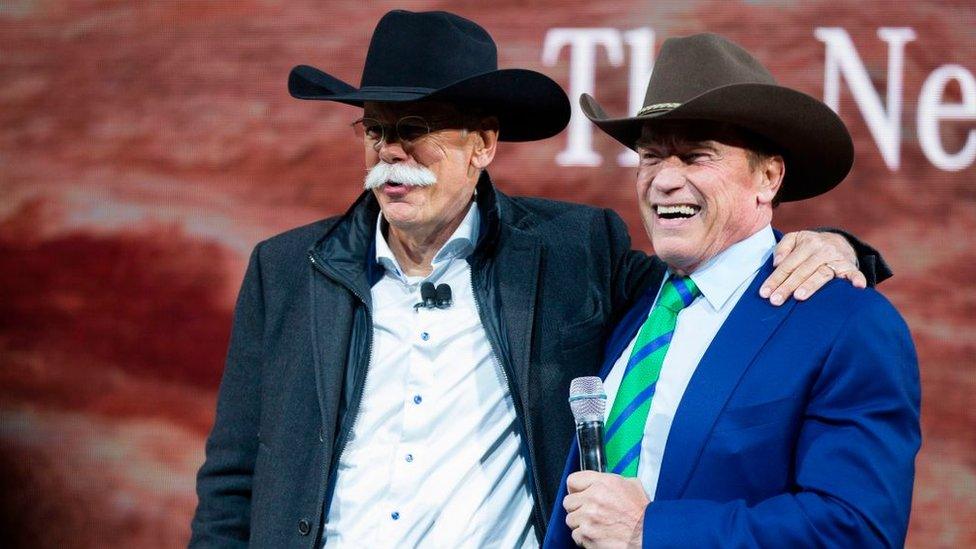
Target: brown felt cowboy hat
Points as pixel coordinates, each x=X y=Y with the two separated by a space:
x=707 y=77
x=440 y=56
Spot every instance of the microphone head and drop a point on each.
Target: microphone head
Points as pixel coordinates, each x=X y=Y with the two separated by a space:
x=443 y=295
x=587 y=399
x=427 y=291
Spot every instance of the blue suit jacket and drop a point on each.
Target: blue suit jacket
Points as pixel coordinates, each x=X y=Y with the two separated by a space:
x=799 y=428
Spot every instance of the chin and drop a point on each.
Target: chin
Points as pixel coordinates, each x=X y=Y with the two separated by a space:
x=399 y=213
x=400 y=223
x=677 y=255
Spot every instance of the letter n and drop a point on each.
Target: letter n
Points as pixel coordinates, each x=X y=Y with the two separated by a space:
x=884 y=121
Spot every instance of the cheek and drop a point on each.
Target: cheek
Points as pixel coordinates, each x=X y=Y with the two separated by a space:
x=644 y=179
x=370 y=158
x=427 y=156
x=727 y=210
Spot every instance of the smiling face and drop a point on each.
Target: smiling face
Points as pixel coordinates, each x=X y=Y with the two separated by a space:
x=452 y=155
x=700 y=190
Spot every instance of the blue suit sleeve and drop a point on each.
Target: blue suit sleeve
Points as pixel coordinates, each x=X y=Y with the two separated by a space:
x=222 y=517
x=854 y=457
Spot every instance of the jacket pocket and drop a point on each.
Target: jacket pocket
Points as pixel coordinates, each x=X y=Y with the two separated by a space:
x=755 y=415
x=576 y=335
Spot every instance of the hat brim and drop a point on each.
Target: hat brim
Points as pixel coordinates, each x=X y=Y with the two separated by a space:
x=817 y=147
x=529 y=105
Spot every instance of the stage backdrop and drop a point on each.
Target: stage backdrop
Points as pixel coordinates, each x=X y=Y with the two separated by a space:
x=145 y=147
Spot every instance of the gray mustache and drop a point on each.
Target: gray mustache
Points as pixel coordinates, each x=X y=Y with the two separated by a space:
x=382 y=173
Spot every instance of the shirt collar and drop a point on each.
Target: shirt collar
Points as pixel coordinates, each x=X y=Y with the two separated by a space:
x=719 y=277
x=458 y=246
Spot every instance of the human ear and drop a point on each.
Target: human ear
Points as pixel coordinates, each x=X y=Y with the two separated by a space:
x=486 y=143
x=773 y=171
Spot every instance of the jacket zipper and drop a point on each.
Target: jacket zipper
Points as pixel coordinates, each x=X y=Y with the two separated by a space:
x=519 y=413
x=512 y=390
x=357 y=396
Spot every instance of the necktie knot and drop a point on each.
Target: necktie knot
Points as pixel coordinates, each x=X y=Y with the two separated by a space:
x=678 y=293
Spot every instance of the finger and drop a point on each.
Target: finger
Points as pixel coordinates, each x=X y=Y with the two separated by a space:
x=841 y=268
x=791 y=272
x=581 y=480
x=817 y=250
x=578 y=537
x=857 y=278
x=809 y=271
x=583 y=536
x=850 y=272
x=792 y=251
x=572 y=502
x=573 y=520
x=821 y=276
x=784 y=247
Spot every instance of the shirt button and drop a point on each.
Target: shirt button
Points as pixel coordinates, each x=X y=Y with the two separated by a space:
x=304 y=527
x=409 y=458
x=424 y=336
x=395 y=515
x=417 y=399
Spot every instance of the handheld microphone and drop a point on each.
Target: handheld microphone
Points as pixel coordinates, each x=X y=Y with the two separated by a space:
x=588 y=401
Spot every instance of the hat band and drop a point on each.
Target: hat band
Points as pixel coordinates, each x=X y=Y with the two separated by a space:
x=396 y=88
x=657 y=107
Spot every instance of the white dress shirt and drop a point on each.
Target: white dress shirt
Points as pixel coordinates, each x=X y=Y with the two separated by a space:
x=722 y=281
x=435 y=454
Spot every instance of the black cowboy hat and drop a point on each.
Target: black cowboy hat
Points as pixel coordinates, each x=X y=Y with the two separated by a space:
x=440 y=56
x=707 y=77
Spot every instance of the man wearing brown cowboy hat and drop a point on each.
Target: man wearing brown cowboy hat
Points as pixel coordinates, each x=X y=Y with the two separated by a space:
x=391 y=372
x=733 y=423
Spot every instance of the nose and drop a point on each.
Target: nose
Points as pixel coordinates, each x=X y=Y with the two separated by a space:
x=670 y=175
x=391 y=152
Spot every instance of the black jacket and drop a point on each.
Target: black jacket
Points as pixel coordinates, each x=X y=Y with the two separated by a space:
x=550 y=280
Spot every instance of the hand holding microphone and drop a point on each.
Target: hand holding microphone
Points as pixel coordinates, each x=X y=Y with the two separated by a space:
x=609 y=508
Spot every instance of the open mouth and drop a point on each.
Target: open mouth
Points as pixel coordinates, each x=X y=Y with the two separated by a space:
x=677 y=211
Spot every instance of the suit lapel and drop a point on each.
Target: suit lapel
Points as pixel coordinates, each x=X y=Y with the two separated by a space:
x=744 y=333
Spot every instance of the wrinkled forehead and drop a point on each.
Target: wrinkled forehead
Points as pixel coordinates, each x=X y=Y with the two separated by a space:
x=690 y=133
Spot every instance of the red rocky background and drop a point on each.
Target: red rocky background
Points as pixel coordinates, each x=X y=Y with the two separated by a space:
x=145 y=147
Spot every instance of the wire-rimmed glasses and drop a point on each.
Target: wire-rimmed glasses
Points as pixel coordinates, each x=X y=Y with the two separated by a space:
x=407 y=130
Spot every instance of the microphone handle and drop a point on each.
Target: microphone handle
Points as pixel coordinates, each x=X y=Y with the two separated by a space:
x=589 y=437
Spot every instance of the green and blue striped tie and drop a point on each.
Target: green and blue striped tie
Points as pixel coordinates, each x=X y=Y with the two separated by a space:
x=633 y=401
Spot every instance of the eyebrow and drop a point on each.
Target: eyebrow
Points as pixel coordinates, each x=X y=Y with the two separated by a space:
x=692 y=144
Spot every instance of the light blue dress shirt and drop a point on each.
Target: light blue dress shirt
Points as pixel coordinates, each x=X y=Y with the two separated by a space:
x=722 y=281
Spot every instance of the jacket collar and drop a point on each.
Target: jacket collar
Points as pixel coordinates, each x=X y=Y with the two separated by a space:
x=458 y=247
x=347 y=249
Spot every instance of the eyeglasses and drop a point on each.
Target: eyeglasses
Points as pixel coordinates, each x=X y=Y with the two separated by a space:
x=407 y=130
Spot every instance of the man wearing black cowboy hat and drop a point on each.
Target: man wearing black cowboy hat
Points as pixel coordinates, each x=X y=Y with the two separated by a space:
x=362 y=406
x=733 y=423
